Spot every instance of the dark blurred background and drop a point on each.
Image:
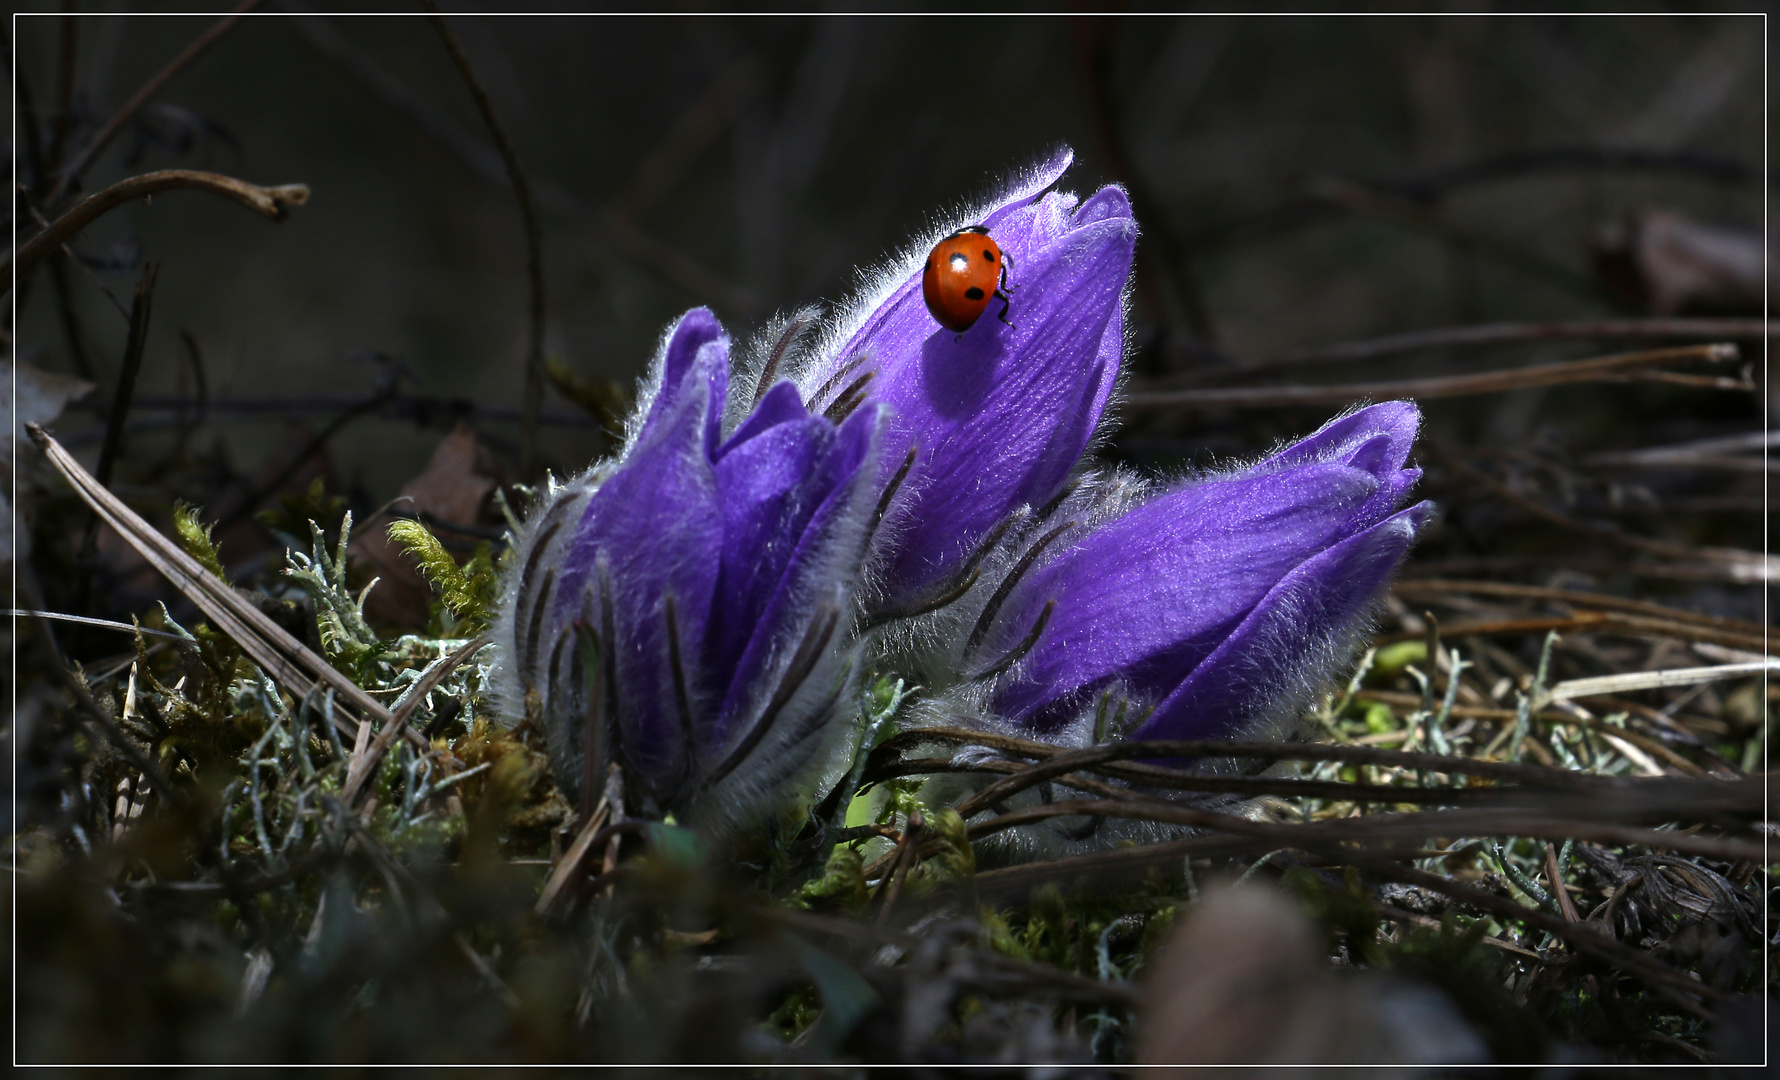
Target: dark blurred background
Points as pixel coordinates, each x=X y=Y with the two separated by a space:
x=1301 y=182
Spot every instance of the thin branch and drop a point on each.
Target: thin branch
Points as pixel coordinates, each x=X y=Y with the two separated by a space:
x=140 y=310
x=1489 y=382
x=1689 y=570
x=1312 y=208
x=1741 y=565
x=1594 y=622
x=1702 y=453
x=611 y=229
x=149 y=89
x=422 y=409
x=1446 y=587
x=271 y=202
x=1470 y=337
x=251 y=501
x=1265 y=751
x=533 y=401
x=1165 y=275
x=1331 y=836
x=1176 y=780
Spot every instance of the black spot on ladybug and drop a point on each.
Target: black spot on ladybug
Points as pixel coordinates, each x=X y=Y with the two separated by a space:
x=987 y=254
x=974 y=293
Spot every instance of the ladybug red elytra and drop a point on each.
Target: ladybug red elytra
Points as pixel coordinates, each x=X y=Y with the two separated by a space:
x=963 y=272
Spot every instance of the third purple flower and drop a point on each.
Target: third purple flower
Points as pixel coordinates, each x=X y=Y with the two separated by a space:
x=1218 y=605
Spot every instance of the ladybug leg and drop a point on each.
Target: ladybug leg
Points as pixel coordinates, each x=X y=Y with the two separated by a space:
x=1007 y=262
x=1006 y=302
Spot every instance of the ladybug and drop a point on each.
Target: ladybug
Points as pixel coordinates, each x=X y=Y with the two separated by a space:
x=963 y=272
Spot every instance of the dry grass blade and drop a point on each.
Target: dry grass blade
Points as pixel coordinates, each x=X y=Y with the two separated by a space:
x=1487 y=382
x=273 y=203
x=573 y=859
x=291 y=663
x=84 y=620
x=364 y=765
x=1599 y=685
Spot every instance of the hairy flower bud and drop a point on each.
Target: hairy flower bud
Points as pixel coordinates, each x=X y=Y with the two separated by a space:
x=1218 y=606
x=683 y=612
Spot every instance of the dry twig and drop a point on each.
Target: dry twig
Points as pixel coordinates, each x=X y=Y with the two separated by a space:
x=273 y=203
x=1487 y=382
x=141 y=97
x=533 y=400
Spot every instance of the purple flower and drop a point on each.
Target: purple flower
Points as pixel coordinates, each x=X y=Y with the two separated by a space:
x=998 y=417
x=1214 y=607
x=683 y=612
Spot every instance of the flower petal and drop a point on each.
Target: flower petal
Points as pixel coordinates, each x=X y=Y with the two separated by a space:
x=653 y=535
x=1262 y=664
x=1000 y=417
x=780 y=405
x=817 y=552
x=1149 y=595
x=768 y=486
x=695 y=335
x=1377 y=438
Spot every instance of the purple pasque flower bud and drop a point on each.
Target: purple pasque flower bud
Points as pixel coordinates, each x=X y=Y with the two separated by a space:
x=1212 y=609
x=984 y=422
x=682 y=612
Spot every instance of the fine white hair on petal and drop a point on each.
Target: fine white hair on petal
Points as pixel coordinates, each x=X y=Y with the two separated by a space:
x=545 y=532
x=649 y=387
x=766 y=358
